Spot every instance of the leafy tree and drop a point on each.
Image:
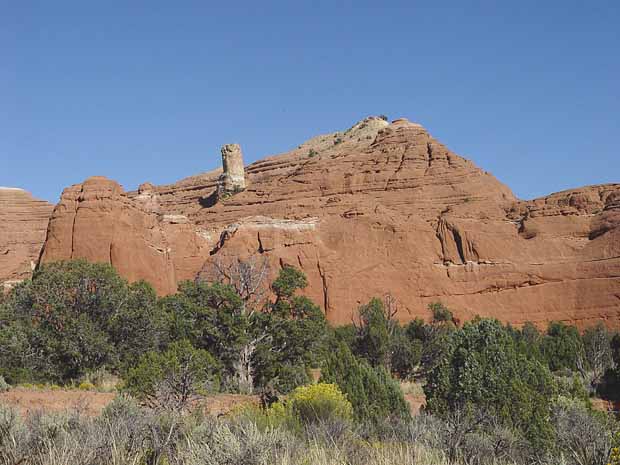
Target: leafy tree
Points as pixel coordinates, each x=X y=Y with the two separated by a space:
x=562 y=346
x=406 y=354
x=529 y=341
x=275 y=345
x=435 y=335
x=597 y=356
x=140 y=325
x=441 y=313
x=297 y=335
x=416 y=330
x=373 y=393
x=63 y=316
x=289 y=280
x=18 y=358
x=481 y=372
x=609 y=387
x=75 y=317
x=374 y=333
x=172 y=379
x=212 y=318
x=346 y=334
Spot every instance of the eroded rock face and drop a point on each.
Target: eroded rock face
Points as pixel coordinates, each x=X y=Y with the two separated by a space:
x=23 y=222
x=375 y=209
x=96 y=220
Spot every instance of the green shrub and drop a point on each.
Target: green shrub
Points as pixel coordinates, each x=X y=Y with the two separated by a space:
x=121 y=407
x=562 y=346
x=481 y=372
x=375 y=328
x=373 y=393
x=319 y=402
x=74 y=317
x=441 y=313
x=172 y=379
x=406 y=354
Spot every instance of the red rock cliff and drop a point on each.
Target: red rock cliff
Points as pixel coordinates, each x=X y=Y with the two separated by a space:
x=377 y=208
x=23 y=222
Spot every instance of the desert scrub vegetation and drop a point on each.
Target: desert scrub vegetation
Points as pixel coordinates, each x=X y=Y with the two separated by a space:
x=495 y=394
x=126 y=433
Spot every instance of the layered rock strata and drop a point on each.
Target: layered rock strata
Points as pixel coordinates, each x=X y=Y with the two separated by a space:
x=379 y=208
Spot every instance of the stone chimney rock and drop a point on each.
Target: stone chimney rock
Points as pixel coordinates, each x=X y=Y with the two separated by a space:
x=233 y=178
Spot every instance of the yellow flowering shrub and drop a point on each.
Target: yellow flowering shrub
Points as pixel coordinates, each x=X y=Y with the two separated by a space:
x=318 y=402
x=306 y=404
x=614 y=458
x=86 y=386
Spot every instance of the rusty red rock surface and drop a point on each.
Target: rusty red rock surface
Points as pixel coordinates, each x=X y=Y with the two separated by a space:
x=379 y=208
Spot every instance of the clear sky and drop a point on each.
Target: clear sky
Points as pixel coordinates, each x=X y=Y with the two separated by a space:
x=149 y=90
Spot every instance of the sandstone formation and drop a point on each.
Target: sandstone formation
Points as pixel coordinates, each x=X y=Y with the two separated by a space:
x=97 y=221
x=232 y=179
x=23 y=222
x=375 y=209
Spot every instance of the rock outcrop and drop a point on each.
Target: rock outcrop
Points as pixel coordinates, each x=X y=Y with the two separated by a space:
x=375 y=209
x=232 y=179
x=97 y=221
x=23 y=223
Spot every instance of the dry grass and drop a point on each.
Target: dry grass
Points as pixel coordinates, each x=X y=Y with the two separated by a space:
x=412 y=388
x=126 y=434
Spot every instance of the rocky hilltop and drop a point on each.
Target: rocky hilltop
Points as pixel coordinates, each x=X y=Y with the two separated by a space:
x=375 y=209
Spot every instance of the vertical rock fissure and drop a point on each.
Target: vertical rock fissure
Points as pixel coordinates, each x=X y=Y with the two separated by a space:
x=429 y=155
x=325 y=287
x=77 y=202
x=400 y=167
x=458 y=240
x=261 y=249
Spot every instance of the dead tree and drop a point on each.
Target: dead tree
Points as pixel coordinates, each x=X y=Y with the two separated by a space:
x=248 y=277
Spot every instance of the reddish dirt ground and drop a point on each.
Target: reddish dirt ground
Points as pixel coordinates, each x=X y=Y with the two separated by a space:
x=91 y=403
x=32 y=400
x=28 y=401
x=415 y=403
x=605 y=405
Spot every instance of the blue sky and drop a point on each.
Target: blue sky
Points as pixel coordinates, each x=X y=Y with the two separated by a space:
x=149 y=90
